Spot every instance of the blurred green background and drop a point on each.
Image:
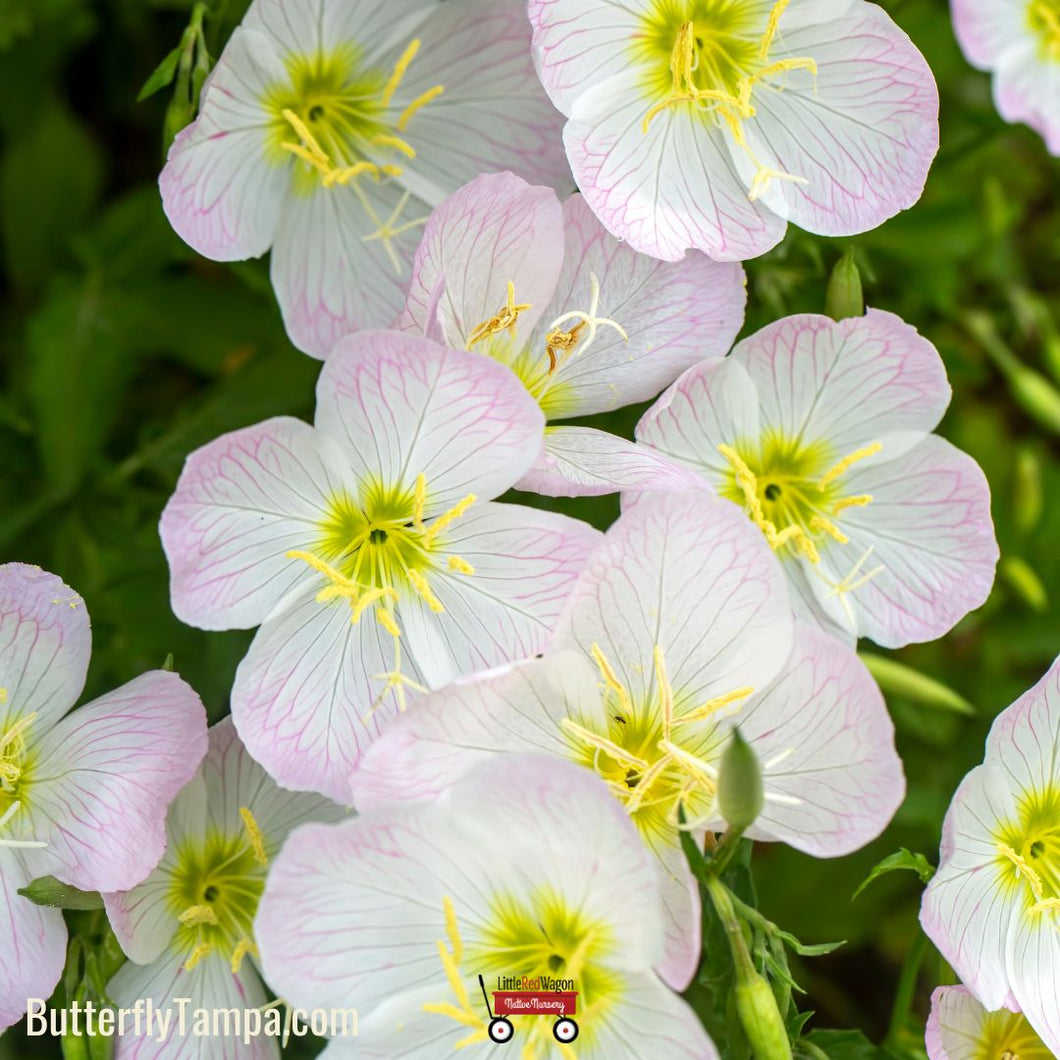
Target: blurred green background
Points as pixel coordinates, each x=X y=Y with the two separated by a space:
x=121 y=351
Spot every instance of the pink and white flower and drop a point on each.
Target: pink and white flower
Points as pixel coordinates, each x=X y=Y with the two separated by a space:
x=1019 y=41
x=993 y=907
x=188 y=928
x=821 y=431
x=367 y=549
x=707 y=125
x=959 y=1028
x=328 y=128
x=527 y=866
x=83 y=797
x=586 y=323
x=679 y=628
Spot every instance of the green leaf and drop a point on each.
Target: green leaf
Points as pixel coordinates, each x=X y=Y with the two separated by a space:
x=819 y=949
x=48 y=891
x=901 y=860
x=844 y=1045
x=162 y=75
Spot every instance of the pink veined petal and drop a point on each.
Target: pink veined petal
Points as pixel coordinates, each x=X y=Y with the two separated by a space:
x=495 y=230
x=303 y=696
x=959 y=1028
x=493 y=114
x=821 y=731
x=525 y=565
x=689 y=573
x=1033 y=965
x=674 y=315
x=577 y=45
x=930 y=531
x=1027 y=89
x=32 y=942
x=402 y=406
x=666 y=190
x=585 y=462
x=987 y=29
x=210 y=985
x=712 y=404
x=861 y=132
x=967 y=909
x=848 y=384
x=104 y=777
x=334 y=268
x=45 y=643
x=220 y=189
x=242 y=503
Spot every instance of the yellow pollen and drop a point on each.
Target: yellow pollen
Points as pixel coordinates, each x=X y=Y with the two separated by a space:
x=448 y=518
x=400 y=69
x=859 y=501
x=12 y=749
x=847 y=462
x=460 y=565
x=196 y=955
x=611 y=679
x=419 y=501
x=257 y=842
x=418 y=104
x=462 y=1012
x=560 y=341
x=310 y=151
x=421 y=585
x=1046 y=905
x=243 y=947
x=712 y=706
x=826 y=526
x=386 y=140
x=1024 y=870
x=386 y=620
x=504 y=320
x=666 y=692
x=771 y=28
x=602 y=743
x=198 y=914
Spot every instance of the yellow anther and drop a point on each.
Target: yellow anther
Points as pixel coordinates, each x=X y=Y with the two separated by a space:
x=611 y=679
x=348 y=173
x=257 y=841
x=645 y=783
x=400 y=69
x=506 y=319
x=765 y=176
x=243 y=947
x=847 y=462
x=567 y=340
x=1024 y=870
x=462 y=1012
x=771 y=28
x=386 y=619
x=602 y=743
x=419 y=501
x=310 y=152
x=558 y=341
x=197 y=954
x=198 y=914
x=712 y=706
x=460 y=565
x=386 y=140
x=700 y=771
x=418 y=104
x=422 y=586
x=666 y=692
x=825 y=526
x=3 y=695
x=1046 y=905
x=447 y=518
x=851 y=502
x=17 y=731
x=452 y=929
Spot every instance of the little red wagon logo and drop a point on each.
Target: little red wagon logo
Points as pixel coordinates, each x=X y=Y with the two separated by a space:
x=525 y=996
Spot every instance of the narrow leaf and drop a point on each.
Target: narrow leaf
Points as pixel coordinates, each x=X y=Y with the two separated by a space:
x=901 y=860
x=48 y=891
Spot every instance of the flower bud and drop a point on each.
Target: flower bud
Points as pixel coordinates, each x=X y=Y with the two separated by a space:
x=762 y=1023
x=740 y=792
x=894 y=678
x=1027 y=501
x=1019 y=575
x=845 y=297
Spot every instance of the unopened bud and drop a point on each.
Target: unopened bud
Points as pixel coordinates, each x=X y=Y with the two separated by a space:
x=1037 y=397
x=1020 y=576
x=845 y=297
x=1027 y=499
x=895 y=678
x=761 y=1019
x=740 y=794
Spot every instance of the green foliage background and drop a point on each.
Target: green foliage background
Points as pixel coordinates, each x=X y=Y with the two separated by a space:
x=121 y=350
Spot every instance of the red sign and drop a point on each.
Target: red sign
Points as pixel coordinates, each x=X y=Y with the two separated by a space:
x=527 y=1003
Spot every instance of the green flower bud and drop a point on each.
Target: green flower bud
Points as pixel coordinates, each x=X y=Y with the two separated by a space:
x=845 y=297
x=762 y=1023
x=1027 y=504
x=894 y=678
x=740 y=792
x=1021 y=578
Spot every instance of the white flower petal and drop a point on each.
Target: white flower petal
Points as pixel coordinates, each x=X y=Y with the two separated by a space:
x=1027 y=88
x=1033 y=965
x=987 y=29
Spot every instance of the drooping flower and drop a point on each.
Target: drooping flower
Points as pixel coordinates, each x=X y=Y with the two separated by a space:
x=712 y=123
x=188 y=928
x=1019 y=40
x=82 y=797
x=587 y=324
x=993 y=907
x=327 y=130
x=527 y=866
x=675 y=632
x=821 y=431
x=959 y=1028
x=367 y=550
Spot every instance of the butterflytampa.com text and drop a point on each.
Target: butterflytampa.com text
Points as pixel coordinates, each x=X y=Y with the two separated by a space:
x=178 y=1018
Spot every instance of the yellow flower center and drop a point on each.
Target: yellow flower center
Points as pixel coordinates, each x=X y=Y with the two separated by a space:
x=15 y=771
x=1029 y=851
x=214 y=894
x=659 y=755
x=710 y=57
x=1044 y=18
x=1008 y=1036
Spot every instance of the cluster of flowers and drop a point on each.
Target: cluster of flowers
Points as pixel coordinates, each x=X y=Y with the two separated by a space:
x=524 y=712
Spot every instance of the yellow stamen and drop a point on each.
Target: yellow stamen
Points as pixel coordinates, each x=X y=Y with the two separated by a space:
x=851 y=502
x=452 y=929
x=419 y=501
x=17 y=730
x=243 y=947
x=822 y=525
x=505 y=320
x=386 y=140
x=197 y=955
x=645 y=783
x=558 y=340
x=198 y=914
x=765 y=176
x=418 y=104
x=1024 y=870
x=460 y=565
x=699 y=770
x=447 y=519
x=712 y=706
x=400 y=69
x=771 y=28
x=602 y=743
x=421 y=585
x=666 y=692
x=611 y=679
x=385 y=618
x=847 y=462
x=257 y=841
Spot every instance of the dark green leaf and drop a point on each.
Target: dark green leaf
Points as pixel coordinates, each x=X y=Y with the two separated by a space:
x=901 y=861
x=163 y=75
x=48 y=891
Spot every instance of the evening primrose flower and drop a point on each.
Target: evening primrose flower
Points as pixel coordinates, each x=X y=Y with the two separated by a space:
x=821 y=432
x=1019 y=40
x=82 y=797
x=587 y=324
x=367 y=550
x=707 y=124
x=328 y=129
x=993 y=907
x=188 y=927
x=959 y=1028
x=526 y=867
x=679 y=628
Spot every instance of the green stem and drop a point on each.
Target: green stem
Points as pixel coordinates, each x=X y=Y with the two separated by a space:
x=907 y=982
x=721 y=898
